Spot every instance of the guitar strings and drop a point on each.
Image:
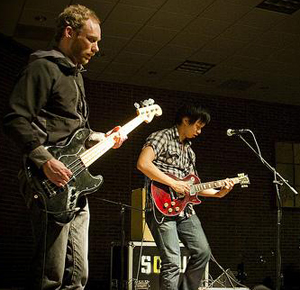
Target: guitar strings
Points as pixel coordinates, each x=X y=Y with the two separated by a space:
x=76 y=171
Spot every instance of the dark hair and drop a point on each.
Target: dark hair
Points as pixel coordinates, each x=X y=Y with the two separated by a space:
x=74 y=16
x=194 y=112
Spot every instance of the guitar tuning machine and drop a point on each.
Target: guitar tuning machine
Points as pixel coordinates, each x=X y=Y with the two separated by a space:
x=137 y=105
x=150 y=101
x=147 y=103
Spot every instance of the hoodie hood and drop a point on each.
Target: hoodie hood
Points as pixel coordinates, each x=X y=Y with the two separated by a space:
x=57 y=57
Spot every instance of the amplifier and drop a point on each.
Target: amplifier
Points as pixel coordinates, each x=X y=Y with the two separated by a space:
x=141 y=265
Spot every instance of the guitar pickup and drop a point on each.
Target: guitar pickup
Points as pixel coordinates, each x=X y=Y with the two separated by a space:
x=172 y=193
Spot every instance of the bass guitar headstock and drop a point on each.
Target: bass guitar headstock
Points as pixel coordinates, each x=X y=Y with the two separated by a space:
x=147 y=110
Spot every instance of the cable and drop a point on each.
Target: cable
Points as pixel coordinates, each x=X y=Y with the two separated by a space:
x=46 y=221
x=231 y=279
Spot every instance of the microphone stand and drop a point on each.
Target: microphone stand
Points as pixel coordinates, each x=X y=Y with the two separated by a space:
x=277 y=182
x=123 y=207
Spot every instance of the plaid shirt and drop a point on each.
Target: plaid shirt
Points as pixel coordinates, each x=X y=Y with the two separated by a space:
x=172 y=156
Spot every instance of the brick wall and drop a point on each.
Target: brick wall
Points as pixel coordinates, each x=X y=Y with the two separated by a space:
x=241 y=228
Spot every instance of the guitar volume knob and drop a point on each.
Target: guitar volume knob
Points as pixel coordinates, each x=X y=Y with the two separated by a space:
x=170 y=210
x=177 y=208
x=172 y=203
x=166 y=205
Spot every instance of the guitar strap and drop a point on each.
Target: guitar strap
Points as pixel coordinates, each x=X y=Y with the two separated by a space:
x=192 y=161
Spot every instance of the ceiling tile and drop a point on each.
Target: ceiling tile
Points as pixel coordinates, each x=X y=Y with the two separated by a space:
x=209 y=56
x=287 y=56
x=251 y=3
x=120 y=29
x=10 y=12
x=144 y=47
x=157 y=64
x=224 y=72
x=225 y=11
x=225 y=45
x=132 y=14
x=242 y=33
x=110 y=46
x=246 y=43
x=241 y=62
x=277 y=39
x=101 y=8
x=276 y=67
x=143 y=77
x=208 y=27
x=121 y=69
x=191 y=40
x=261 y=19
x=113 y=77
x=290 y=24
x=155 y=34
x=144 y=3
x=50 y=6
x=189 y=7
x=167 y=20
x=28 y=17
x=295 y=44
x=173 y=51
x=131 y=58
x=38 y=33
x=256 y=51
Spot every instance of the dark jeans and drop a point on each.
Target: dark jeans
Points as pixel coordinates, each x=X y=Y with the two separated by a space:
x=61 y=250
x=167 y=235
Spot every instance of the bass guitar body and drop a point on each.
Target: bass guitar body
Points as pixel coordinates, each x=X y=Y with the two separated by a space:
x=62 y=201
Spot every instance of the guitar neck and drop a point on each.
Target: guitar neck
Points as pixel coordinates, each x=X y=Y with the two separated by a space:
x=91 y=155
x=213 y=184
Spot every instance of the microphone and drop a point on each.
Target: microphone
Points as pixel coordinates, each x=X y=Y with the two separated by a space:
x=231 y=132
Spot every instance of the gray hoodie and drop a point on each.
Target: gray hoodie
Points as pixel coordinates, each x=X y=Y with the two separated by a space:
x=47 y=104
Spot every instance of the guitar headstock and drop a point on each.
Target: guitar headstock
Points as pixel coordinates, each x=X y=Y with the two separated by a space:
x=147 y=110
x=243 y=180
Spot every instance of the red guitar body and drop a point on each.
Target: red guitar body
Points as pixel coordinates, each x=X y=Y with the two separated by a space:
x=169 y=202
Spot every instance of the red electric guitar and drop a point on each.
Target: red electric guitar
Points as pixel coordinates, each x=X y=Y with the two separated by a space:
x=170 y=203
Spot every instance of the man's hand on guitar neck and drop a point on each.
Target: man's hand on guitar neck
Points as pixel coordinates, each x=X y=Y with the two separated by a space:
x=57 y=172
x=119 y=137
x=225 y=189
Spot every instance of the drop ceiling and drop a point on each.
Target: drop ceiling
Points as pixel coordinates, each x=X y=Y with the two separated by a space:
x=248 y=52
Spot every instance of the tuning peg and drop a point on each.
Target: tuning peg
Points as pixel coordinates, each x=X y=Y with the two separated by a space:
x=136 y=105
x=145 y=103
x=151 y=101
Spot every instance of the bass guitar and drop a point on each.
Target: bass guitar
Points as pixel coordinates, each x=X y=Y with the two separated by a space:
x=170 y=203
x=62 y=201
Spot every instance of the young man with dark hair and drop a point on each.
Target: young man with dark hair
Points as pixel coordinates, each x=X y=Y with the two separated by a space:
x=46 y=108
x=169 y=152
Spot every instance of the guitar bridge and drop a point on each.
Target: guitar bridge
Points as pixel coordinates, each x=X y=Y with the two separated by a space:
x=51 y=192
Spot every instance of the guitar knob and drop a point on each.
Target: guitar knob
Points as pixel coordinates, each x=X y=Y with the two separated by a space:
x=172 y=203
x=177 y=208
x=166 y=205
x=170 y=210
